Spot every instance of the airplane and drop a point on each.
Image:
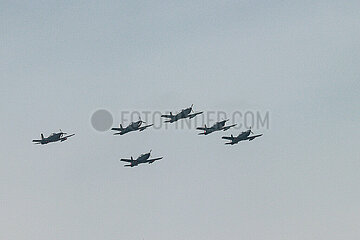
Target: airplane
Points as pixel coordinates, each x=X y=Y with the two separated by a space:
x=133 y=126
x=241 y=137
x=185 y=113
x=54 y=137
x=216 y=127
x=143 y=158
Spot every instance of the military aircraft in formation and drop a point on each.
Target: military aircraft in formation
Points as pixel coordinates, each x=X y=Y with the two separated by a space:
x=184 y=113
x=241 y=137
x=54 y=137
x=143 y=158
x=216 y=127
x=134 y=126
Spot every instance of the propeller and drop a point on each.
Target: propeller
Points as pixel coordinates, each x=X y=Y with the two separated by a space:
x=251 y=131
x=62 y=132
x=224 y=120
x=141 y=120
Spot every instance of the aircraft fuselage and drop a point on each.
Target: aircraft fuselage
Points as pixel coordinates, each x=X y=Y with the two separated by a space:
x=216 y=127
x=52 y=138
x=183 y=114
x=142 y=158
x=134 y=126
x=241 y=137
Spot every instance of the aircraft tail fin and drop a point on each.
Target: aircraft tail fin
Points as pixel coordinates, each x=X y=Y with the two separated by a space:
x=42 y=136
x=121 y=127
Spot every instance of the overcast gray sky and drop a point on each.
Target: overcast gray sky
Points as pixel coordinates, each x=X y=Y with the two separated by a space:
x=62 y=60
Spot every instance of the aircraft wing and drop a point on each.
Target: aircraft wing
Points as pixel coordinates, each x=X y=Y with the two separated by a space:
x=167 y=116
x=117 y=129
x=36 y=141
x=194 y=114
x=228 y=127
x=127 y=160
x=132 y=164
x=171 y=120
x=153 y=160
x=66 y=137
x=202 y=128
x=144 y=127
x=253 y=137
x=228 y=138
x=122 y=132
